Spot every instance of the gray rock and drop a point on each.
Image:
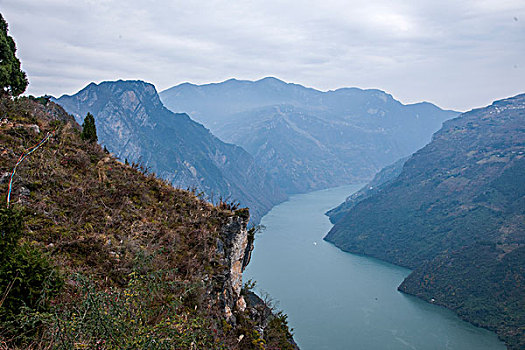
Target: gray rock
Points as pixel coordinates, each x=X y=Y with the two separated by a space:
x=34 y=128
x=4 y=178
x=232 y=248
x=24 y=192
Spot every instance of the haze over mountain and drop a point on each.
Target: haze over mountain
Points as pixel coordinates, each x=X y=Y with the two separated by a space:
x=305 y=138
x=132 y=122
x=456 y=214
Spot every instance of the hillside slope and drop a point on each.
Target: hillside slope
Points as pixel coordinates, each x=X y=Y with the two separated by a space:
x=130 y=262
x=305 y=138
x=377 y=184
x=456 y=215
x=132 y=122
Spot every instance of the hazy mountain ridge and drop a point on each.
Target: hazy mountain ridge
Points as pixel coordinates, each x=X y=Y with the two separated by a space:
x=456 y=214
x=305 y=138
x=132 y=122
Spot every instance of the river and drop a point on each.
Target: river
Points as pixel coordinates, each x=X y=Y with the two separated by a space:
x=336 y=300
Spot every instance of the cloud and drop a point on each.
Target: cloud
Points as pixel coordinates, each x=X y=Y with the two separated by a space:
x=456 y=54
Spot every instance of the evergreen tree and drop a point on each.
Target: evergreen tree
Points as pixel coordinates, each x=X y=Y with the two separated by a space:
x=89 y=131
x=13 y=80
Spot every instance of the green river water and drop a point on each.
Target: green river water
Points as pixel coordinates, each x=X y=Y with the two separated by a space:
x=335 y=300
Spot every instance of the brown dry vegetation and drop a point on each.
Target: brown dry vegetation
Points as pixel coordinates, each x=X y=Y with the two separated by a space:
x=137 y=257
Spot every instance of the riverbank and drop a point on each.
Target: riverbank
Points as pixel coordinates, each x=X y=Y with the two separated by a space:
x=334 y=299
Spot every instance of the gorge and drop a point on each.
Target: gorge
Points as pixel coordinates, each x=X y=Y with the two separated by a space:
x=336 y=300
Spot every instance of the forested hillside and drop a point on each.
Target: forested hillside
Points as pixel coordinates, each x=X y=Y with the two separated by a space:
x=456 y=215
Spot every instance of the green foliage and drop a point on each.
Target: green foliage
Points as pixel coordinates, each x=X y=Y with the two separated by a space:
x=89 y=130
x=43 y=100
x=278 y=332
x=248 y=286
x=243 y=212
x=13 y=80
x=482 y=284
x=27 y=280
x=455 y=215
x=144 y=315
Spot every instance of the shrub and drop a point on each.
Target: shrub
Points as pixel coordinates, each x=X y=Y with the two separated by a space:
x=144 y=315
x=27 y=280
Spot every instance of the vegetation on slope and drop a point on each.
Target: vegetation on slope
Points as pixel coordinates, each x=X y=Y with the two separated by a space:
x=378 y=183
x=482 y=283
x=112 y=257
x=458 y=203
x=133 y=123
x=13 y=80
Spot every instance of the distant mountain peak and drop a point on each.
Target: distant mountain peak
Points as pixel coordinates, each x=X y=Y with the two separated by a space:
x=271 y=80
x=306 y=138
x=138 y=85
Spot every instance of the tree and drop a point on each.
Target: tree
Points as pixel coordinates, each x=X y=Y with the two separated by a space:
x=13 y=80
x=89 y=131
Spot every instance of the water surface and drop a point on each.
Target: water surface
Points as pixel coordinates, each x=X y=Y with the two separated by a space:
x=336 y=300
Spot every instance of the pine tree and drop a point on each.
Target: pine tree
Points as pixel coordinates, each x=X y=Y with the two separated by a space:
x=89 y=131
x=13 y=80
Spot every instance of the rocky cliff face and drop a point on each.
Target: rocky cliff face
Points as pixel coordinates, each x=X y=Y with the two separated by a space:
x=132 y=123
x=456 y=214
x=309 y=139
x=234 y=250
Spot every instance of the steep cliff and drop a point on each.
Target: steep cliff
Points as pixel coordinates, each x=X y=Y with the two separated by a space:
x=135 y=262
x=132 y=122
x=456 y=215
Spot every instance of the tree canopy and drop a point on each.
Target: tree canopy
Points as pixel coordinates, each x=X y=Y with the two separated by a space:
x=89 y=130
x=13 y=80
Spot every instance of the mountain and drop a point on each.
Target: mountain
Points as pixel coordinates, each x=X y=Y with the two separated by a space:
x=305 y=138
x=97 y=254
x=456 y=215
x=132 y=122
x=380 y=181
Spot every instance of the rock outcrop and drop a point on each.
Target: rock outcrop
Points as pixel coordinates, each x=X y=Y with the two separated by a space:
x=233 y=250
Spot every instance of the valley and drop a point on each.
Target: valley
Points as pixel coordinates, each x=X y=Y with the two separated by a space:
x=336 y=300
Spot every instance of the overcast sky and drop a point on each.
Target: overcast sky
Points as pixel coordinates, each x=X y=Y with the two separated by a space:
x=458 y=54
